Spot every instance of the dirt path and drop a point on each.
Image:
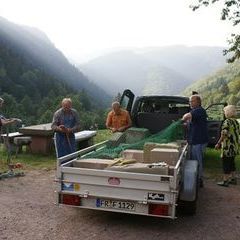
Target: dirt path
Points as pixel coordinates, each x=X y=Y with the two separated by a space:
x=27 y=212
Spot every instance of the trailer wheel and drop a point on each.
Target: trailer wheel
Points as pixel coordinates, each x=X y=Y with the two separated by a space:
x=187 y=203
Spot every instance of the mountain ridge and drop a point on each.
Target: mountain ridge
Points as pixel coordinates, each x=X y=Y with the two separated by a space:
x=39 y=51
x=131 y=68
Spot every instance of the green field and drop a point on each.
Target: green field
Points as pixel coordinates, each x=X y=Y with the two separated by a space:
x=212 y=162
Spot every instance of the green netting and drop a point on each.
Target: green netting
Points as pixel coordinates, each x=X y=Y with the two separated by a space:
x=170 y=134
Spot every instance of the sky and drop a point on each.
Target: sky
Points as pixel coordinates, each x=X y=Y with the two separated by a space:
x=82 y=29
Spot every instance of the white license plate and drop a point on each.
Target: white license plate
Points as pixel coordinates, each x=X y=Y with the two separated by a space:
x=114 y=204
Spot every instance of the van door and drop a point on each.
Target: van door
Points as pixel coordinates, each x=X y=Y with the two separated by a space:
x=127 y=99
x=215 y=120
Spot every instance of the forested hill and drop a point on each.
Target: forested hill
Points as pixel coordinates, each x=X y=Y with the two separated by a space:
x=222 y=86
x=37 y=50
x=29 y=86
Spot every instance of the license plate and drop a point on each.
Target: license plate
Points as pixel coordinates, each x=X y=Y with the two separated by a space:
x=114 y=204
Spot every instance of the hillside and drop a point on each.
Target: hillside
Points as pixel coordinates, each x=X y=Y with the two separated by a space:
x=165 y=70
x=32 y=88
x=222 y=86
x=39 y=52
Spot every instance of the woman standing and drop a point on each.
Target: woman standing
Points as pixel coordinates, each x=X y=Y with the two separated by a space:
x=229 y=144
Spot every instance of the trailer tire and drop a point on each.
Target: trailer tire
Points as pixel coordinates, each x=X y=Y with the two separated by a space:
x=187 y=203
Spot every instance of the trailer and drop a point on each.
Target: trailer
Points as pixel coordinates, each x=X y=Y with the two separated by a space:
x=151 y=189
x=128 y=192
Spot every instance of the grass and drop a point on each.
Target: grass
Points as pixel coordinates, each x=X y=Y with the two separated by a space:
x=28 y=160
x=37 y=161
x=102 y=135
x=212 y=161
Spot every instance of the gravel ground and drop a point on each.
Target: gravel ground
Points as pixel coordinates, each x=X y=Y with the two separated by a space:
x=28 y=212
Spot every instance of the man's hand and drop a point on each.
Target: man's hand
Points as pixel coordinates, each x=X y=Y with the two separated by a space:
x=62 y=128
x=121 y=129
x=16 y=120
x=187 y=117
x=113 y=130
x=69 y=130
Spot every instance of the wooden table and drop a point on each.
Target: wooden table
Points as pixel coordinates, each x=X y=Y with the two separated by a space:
x=42 y=137
x=8 y=140
x=84 y=138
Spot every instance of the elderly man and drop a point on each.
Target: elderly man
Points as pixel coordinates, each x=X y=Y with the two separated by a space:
x=65 y=123
x=118 y=120
x=197 y=132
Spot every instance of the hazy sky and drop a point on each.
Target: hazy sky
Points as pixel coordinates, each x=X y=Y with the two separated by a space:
x=80 y=28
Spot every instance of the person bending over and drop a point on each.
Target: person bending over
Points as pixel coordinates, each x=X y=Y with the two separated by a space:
x=118 y=119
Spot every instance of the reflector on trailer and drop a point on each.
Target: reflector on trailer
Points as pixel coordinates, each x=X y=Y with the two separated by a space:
x=158 y=209
x=69 y=199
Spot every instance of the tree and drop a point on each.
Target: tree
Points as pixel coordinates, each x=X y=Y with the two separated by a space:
x=230 y=12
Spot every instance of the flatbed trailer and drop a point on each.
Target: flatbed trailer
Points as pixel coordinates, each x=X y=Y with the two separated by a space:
x=128 y=192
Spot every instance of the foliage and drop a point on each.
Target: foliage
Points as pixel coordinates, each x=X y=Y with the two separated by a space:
x=223 y=86
x=230 y=12
x=33 y=95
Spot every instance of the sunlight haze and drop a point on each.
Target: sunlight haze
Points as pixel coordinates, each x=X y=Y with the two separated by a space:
x=82 y=29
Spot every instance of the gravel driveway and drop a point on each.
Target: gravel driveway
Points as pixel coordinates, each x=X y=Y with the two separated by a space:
x=27 y=212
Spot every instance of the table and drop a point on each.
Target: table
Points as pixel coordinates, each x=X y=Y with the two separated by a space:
x=84 y=138
x=8 y=140
x=42 y=136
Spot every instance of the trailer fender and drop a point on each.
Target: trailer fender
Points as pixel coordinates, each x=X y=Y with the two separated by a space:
x=189 y=186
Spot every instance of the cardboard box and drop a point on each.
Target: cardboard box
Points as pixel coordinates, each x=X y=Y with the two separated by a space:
x=133 y=154
x=167 y=155
x=92 y=163
x=141 y=168
x=148 y=146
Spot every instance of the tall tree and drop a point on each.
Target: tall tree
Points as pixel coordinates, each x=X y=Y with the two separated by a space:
x=231 y=12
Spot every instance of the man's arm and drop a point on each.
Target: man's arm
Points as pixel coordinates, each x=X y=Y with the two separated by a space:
x=187 y=117
x=55 y=123
x=5 y=121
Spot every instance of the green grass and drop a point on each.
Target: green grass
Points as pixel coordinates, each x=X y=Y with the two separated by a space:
x=102 y=135
x=212 y=160
x=39 y=162
x=213 y=163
